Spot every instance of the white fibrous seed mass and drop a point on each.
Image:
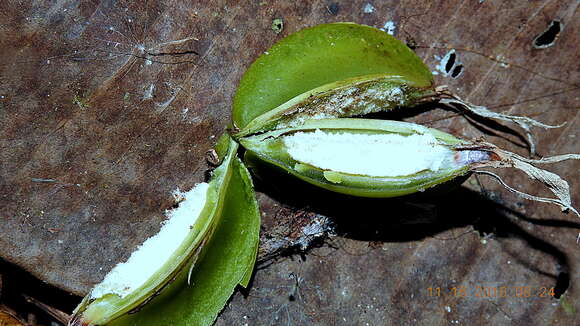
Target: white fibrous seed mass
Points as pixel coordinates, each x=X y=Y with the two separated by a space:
x=155 y=251
x=387 y=155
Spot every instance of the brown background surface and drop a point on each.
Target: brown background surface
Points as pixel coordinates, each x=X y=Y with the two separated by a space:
x=106 y=107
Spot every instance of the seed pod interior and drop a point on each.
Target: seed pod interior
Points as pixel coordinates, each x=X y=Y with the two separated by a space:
x=318 y=56
x=346 y=98
x=150 y=257
x=196 y=299
x=163 y=257
x=316 y=59
x=380 y=155
x=362 y=157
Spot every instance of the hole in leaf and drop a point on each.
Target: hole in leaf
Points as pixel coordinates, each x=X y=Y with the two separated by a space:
x=333 y=8
x=548 y=37
x=277 y=25
x=450 y=62
x=457 y=71
x=411 y=43
x=562 y=284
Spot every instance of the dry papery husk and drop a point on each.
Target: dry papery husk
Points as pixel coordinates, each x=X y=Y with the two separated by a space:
x=446 y=97
x=500 y=158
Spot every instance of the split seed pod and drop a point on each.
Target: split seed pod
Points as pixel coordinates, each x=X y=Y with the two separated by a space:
x=183 y=246
x=381 y=158
x=362 y=157
x=341 y=70
x=287 y=101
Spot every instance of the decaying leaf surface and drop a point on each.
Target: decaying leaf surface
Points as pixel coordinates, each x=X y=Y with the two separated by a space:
x=108 y=144
x=106 y=108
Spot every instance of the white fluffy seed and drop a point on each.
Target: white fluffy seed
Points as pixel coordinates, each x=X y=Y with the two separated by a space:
x=386 y=155
x=155 y=251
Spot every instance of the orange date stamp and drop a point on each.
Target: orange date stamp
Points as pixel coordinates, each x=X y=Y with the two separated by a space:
x=492 y=292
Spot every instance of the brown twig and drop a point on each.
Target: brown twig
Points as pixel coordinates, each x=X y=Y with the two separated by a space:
x=61 y=316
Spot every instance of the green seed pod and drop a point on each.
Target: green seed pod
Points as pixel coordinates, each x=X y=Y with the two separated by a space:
x=361 y=157
x=198 y=297
x=320 y=72
x=322 y=55
x=170 y=254
x=380 y=158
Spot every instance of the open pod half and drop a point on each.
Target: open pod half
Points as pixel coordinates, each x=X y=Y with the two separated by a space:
x=351 y=97
x=322 y=55
x=186 y=246
x=362 y=157
x=380 y=158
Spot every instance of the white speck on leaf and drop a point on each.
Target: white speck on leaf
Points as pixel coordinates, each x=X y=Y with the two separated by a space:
x=389 y=27
x=162 y=106
x=368 y=8
x=149 y=92
x=502 y=62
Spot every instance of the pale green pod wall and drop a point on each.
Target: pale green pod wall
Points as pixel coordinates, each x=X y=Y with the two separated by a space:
x=269 y=147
